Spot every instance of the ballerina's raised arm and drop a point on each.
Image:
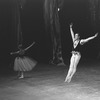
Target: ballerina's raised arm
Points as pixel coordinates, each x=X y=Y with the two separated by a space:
x=29 y=46
x=72 y=32
x=14 y=52
x=82 y=41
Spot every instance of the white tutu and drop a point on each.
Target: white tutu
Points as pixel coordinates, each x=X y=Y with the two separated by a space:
x=24 y=64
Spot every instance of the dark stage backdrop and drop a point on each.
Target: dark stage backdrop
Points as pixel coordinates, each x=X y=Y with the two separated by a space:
x=33 y=29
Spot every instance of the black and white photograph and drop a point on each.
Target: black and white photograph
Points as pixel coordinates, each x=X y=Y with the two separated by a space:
x=50 y=49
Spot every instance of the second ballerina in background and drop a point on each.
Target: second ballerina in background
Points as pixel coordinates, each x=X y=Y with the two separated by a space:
x=77 y=42
x=23 y=63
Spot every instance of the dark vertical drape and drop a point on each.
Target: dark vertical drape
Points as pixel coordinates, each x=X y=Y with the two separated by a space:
x=94 y=7
x=52 y=24
x=17 y=7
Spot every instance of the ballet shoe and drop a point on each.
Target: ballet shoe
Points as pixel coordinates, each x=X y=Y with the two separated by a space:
x=68 y=80
x=21 y=77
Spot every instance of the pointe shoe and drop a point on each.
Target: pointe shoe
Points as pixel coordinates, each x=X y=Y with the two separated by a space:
x=21 y=77
x=68 y=80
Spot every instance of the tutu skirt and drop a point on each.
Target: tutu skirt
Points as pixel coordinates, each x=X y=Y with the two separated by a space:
x=24 y=64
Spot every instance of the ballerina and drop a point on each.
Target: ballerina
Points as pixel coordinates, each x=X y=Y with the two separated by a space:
x=22 y=63
x=76 y=55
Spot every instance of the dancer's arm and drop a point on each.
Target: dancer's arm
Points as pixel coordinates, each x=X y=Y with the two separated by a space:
x=71 y=31
x=14 y=52
x=29 y=46
x=82 y=41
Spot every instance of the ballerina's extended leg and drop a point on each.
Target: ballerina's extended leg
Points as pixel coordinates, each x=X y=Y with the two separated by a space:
x=70 y=71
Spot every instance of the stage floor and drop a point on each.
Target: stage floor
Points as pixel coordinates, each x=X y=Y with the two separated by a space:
x=46 y=82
